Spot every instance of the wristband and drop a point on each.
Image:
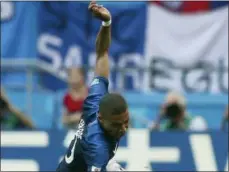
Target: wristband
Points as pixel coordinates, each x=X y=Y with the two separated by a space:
x=107 y=23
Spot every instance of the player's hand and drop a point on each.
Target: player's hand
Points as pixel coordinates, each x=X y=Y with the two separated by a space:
x=99 y=11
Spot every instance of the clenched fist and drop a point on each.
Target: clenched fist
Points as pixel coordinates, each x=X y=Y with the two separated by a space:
x=99 y=11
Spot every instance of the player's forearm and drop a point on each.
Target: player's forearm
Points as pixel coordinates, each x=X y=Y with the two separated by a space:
x=103 y=41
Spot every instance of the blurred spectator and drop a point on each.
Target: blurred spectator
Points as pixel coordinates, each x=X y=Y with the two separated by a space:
x=174 y=116
x=224 y=125
x=11 y=117
x=73 y=100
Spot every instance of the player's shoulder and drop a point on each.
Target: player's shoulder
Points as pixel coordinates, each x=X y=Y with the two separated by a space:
x=95 y=147
x=96 y=134
x=97 y=89
x=94 y=130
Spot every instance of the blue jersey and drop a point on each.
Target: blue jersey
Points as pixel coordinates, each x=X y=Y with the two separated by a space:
x=91 y=148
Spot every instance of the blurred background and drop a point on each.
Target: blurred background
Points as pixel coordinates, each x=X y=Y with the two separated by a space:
x=169 y=59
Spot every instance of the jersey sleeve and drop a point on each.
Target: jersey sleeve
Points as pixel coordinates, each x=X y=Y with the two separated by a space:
x=97 y=89
x=96 y=154
x=99 y=164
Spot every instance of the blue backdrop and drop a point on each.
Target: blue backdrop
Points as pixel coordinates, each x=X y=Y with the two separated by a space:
x=47 y=154
x=68 y=33
x=63 y=33
x=19 y=32
x=19 y=29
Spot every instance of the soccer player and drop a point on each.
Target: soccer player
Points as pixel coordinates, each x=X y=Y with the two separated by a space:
x=105 y=115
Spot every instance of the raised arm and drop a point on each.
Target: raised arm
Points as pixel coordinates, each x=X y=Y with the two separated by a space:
x=103 y=39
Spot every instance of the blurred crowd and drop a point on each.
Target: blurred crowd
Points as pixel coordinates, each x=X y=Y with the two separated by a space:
x=173 y=114
x=11 y=117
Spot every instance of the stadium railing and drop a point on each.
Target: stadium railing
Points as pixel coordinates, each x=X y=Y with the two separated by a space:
x=30 y=68
x=140 y=104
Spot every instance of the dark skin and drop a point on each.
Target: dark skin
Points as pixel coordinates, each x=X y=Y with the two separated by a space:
x=115 y=125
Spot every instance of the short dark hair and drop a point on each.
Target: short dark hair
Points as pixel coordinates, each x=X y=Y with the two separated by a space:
x=112 y=104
